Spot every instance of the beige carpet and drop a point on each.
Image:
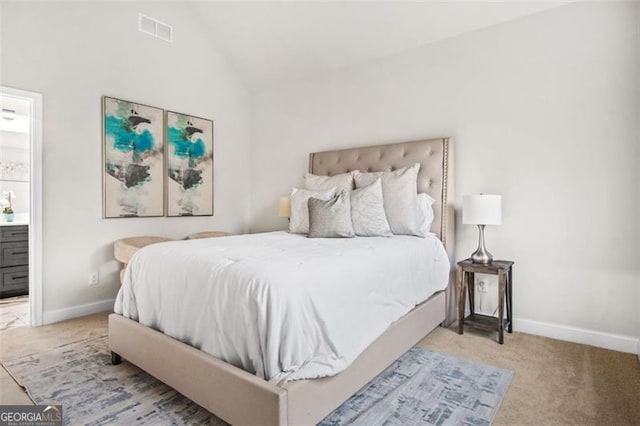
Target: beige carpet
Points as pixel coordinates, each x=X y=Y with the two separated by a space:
x=554 y=383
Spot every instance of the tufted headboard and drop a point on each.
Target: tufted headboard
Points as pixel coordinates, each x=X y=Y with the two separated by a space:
x=435 y=176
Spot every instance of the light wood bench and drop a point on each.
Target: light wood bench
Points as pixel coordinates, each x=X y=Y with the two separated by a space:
x=125 y=248
x=208 y=234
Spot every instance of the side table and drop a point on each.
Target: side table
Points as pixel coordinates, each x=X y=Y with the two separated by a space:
x=465 y=275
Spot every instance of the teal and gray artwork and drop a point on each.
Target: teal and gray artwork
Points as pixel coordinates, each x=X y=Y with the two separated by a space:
x=133 y=159
x=189 y=165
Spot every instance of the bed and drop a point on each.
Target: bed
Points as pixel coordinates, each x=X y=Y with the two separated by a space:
x=243 y=391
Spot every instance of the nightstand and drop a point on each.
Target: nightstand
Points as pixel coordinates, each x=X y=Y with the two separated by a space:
x=465 y=277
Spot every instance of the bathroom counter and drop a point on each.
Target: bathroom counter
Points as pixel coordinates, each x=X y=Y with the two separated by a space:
x=14 y=223
x=20 y=219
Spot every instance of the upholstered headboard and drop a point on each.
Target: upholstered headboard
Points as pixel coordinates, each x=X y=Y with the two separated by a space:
x=435 y=178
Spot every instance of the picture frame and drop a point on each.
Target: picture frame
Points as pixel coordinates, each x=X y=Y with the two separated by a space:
x=133 y=147
x=189 y=165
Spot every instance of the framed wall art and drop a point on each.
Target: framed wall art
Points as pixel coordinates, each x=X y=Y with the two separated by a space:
x=189 y=165
x=133 y=159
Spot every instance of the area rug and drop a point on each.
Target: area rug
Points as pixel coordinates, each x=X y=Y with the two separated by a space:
x=422 y=387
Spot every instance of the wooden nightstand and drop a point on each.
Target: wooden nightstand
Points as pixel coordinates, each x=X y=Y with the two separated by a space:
x=465 y=275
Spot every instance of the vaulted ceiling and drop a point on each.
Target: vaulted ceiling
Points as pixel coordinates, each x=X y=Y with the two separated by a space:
x=268 y=42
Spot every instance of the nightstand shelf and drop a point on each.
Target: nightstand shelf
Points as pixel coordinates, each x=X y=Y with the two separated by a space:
x=485 y=322
x=466 y=284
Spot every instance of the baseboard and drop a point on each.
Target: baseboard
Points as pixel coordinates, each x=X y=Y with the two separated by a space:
x=616 y=342
x=49 y=317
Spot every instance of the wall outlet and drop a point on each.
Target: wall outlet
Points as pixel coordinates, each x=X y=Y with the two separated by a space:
x=94 y=278
x=486 y=287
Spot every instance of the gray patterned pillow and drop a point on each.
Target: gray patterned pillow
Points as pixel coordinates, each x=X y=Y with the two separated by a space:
x=330 y=218
x=299 y=220
x=367 y=211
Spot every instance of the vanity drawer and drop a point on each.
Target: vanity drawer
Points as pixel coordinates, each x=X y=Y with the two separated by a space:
x=14 y=279
x=14 y=233
x=14 y=254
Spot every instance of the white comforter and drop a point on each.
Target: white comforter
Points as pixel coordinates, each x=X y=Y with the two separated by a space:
x=281 y=305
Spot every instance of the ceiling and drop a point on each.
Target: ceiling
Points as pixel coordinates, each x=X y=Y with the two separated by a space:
x=269 y=42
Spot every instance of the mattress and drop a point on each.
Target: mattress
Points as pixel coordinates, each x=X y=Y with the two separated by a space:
x=280 y=305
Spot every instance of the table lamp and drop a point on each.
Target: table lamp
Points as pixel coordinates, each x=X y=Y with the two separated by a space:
x=284 y=206
x=481 y=210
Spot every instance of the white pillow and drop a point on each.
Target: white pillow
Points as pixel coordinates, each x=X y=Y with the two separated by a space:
x=425 y=213
x=343 y=182
x=299 y=219
x=400 y=193
x=367 y=211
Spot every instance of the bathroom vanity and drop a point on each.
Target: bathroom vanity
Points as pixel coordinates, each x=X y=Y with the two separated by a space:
x=14 y=259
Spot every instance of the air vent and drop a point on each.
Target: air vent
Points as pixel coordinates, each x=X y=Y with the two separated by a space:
x=153 y=27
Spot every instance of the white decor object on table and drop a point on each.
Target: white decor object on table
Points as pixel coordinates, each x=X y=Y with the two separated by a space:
x=481 y=210
x=7 y=205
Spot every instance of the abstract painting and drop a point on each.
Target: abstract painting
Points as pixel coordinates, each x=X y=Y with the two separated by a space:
x=189 y=165
x=133 y=143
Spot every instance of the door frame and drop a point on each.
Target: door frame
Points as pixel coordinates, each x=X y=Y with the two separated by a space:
x=35 y=200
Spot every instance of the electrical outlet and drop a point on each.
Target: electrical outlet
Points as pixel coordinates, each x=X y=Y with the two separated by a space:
x=94 y=279
x=482 y=287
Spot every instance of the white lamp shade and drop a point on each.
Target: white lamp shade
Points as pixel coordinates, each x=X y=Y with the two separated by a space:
x=284 y=206
x=482 y=209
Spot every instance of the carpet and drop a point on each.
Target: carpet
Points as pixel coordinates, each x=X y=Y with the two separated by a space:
x=421 y=387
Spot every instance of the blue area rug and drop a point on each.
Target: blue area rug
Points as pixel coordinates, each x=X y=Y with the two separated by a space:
x=427 y=388
x=422 y=387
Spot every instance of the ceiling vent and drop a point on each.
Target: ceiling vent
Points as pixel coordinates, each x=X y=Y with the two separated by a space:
x=153 y=27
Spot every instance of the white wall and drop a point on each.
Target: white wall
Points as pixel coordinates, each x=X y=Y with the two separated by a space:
x=543 y=110
x=73 y=53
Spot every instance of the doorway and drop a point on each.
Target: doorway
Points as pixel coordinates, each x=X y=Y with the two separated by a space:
x=21 y=211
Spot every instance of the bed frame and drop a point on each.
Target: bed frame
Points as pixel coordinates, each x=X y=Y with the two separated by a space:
x=242 y=398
